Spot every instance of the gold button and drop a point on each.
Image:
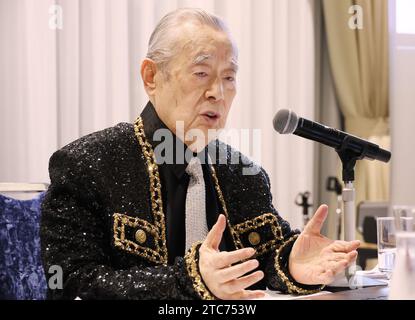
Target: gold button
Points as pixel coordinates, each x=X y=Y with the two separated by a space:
x=140 y=236
x=254 y=238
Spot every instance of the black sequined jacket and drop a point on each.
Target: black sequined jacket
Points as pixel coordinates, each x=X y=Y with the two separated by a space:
x=103 y=222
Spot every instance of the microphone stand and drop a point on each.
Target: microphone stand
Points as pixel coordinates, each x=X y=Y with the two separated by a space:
x=349 y=158
x=305 y=205
x=334 y=185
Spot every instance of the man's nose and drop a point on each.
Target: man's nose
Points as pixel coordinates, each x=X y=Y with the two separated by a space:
x=215 y=92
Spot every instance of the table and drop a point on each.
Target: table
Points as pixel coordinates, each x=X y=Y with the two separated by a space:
x=369 y=293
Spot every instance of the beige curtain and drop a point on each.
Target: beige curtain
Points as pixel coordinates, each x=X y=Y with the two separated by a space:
x=359 y=64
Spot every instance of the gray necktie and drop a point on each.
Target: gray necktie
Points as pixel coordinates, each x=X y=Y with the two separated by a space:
x=196 y=225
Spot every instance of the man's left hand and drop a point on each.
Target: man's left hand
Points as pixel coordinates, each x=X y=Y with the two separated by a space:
x=315 y=259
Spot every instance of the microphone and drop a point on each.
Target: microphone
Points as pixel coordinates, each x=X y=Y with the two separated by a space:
x=286 y=121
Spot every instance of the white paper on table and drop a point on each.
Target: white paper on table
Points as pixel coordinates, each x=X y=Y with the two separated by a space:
x=374 y=273
x=362 y=278
x=277 y=295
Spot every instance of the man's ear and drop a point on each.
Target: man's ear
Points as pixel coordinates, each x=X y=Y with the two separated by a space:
x=148 y=74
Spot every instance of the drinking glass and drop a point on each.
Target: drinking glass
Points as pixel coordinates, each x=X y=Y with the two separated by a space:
x=386 y=230
x=403 y=277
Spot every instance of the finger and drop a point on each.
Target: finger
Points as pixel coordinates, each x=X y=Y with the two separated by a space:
x=326 y=277
x=214 y=236
x=338 y=266
x=243 y=282
x=236 y=271
x=337 y=256
x=225 y=259
x=345 y=246
x=354 y=244
x=326 y=273
x=316 y=222
x=352 y=256
x=248 y=294
x=334 y=267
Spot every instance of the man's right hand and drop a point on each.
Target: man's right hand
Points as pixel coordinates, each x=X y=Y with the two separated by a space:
x=224 y=279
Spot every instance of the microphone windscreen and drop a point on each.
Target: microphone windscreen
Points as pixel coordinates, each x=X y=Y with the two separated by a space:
x=285 y=121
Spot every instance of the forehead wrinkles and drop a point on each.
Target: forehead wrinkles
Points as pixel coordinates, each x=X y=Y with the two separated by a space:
x=194 y=43
x=191 y=34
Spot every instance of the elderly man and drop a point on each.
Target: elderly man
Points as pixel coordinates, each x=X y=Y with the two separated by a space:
x=124 y=225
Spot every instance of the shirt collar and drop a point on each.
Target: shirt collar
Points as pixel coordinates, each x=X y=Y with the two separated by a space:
x=152 y=123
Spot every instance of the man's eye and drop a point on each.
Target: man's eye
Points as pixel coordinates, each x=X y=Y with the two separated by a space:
x=232 y=79
x=201 y=74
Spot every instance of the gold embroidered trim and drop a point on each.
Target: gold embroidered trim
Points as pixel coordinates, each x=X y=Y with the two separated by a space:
x=236 y=240
x=254 y=224
x=122 y=220
x=193 y=271
x=155 y=190
x=291 y=287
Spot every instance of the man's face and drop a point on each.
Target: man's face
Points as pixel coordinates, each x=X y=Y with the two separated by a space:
x=200 y=85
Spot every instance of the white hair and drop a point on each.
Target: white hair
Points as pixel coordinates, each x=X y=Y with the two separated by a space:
x=162 y=41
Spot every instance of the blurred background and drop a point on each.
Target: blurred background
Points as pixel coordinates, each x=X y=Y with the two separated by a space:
x=71 y=67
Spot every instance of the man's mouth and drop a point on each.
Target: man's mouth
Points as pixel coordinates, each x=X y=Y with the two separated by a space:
x=211 y=116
